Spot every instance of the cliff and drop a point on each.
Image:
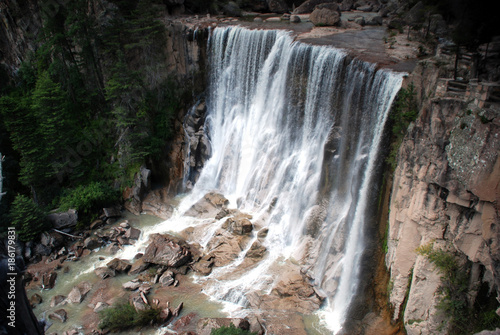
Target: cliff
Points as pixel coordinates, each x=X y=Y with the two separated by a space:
x=445 y=196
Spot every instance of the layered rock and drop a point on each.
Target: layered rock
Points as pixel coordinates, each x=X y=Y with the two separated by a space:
x=446 y=192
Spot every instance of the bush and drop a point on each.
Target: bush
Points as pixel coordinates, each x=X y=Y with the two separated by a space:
x=28 y=218
x=88 y=199
x=231 y=330
x=124 y=316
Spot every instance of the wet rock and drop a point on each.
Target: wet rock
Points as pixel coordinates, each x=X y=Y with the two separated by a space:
x=145 y=288
x=184 y=322
x=226 y=247
x=326 y=15
x=346 y=5
x=263 y=233
x=294 y=285
x=208 y=206
x=134 y=195
x=138 y=266
x=206 y=325
x=119 y=265
x=79 y=292
x=49 y=280
x=203 y=266
x=51 y=239
x=112 y=212
x=131 y=285
x=63 y=219
x=57 y=300
x=257 y=250
x=92 y=242
x=155 y=203
x=360 y=20
x=167 y=278
x=59 y=315
x=365 y=8
x=124 y=224
x=375 y=21
x=133 y=233
x=36 y=299
x=240 y=226
x=113 y=248
x=177 y=311
x=163 y=251
x=122 y=240
x=165 y=315
x=295 y=19
x=42 y=250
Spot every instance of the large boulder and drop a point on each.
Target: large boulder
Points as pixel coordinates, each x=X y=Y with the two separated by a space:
x=138 y=266
x=309 y=5
x=238 y=225
x=59 y=315
x=326 y=15
x=163 y=250
x=167 y=278
x=61 y=220
x=92 y=242
x=104 y=272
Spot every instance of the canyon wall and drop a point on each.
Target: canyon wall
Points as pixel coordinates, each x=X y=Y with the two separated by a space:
x=445 y=193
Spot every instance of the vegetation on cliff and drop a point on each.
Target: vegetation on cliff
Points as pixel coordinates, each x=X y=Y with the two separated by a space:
x=87 y=106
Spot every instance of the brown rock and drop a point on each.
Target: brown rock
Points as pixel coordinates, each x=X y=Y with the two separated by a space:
x=257 y=250
x=325 y=15
x=203 y=266
x=49 y=280
x=104 y=272
x=209 y=206
x=56 y=300
x=119 y=265
x=138 y=266
x=36 y=299
x=309 y=5
x=184 y=321
x=96 y=224
x=163 y=251
x=59 y=315
x=79 y=292
x=133 y=233
x=178 y=310
x=131 y=285
x=167 y=278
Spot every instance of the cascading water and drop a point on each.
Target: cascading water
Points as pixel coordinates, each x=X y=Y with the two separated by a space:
x=295 y=133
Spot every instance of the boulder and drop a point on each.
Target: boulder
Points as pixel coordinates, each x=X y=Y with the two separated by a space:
x=124 y=224
x=52 y=239
x=59 y=315
x=112 y=212
x=177 y=311
x=360 y=20
x=138 y=266
x=164 y=251
x=167 y=278
x=295 y=19
x=132 y=233
x=79 y=292
x=208 y=206
x=131 y=285
x=57 y=300
x=165 y=315
x=184 y=322
x=309 y=5
x=239 y=226
x=96 y=224
x=277 y=6
x=206 y=325
x=375 y=21
x=365 y=8
x=325 y=15
x=346 y=5
x=155 y=203
x=257 y=250
x=36 y=299
x=49 y=279
x=203 y=267
x=138 y=302
x=63 y=220
x=92 y=242
x=42 y=250
x=119 y=265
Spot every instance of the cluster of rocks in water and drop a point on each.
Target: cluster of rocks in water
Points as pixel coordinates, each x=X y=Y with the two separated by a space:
x=164 y=265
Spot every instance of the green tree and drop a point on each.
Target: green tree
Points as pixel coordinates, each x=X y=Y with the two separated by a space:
x=28 y=218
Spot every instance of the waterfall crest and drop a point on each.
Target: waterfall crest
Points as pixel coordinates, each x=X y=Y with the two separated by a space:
x=295 y=132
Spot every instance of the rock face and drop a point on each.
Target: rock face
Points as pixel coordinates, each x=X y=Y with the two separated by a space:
x=326 y=15
x=162 y=250
x=445 y=191
x=133 y=195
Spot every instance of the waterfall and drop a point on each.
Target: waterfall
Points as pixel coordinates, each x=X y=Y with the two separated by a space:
x=295 y=132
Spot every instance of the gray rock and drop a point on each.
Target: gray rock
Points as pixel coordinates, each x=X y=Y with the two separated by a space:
x=131 y=285
x=309 y=5
x=133 y=233
x=112 y=212
x=63 y=219
x=79 y=292
x=277 y=6
x=366 y=8
x=295 y=19
x=375 y=21
x=57 y=300
x=231 y=9
x=92 y=242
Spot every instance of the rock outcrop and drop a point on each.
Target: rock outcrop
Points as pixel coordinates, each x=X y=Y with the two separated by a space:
x=446 y=191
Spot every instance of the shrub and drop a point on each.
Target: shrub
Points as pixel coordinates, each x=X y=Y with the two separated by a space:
x=124 y=316
x=87 y=199
x=28 y=218
x=231 y=330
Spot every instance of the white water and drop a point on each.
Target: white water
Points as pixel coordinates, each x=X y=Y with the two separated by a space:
x=295 y=133
x=300 y=126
